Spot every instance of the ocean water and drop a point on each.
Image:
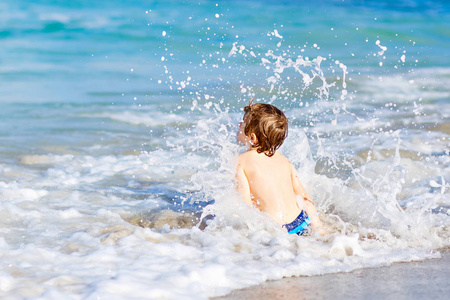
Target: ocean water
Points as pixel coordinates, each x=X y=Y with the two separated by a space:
x=117 y=141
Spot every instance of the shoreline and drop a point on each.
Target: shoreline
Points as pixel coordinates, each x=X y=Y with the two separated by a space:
x=427 y=279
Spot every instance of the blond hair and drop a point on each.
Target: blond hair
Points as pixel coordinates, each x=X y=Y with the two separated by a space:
x=268 y=123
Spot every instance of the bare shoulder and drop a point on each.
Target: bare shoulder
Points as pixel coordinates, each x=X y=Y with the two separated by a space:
x=283 y=159
x=287 y=165
x=280 y=156
x=243 y=159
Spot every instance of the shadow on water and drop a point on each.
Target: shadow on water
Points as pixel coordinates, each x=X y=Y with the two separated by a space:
x=171 y=219
x=173 y=209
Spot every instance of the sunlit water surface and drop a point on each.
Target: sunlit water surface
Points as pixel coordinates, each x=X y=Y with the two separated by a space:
x=117 y=141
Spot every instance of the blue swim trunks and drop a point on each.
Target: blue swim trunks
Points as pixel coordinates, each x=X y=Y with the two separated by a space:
x=299 y=225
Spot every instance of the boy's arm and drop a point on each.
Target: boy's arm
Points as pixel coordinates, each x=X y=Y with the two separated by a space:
x=308 y=205
x=299 y=190
x=242 y=185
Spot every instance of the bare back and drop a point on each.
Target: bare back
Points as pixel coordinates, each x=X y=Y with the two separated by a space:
x=268 y=183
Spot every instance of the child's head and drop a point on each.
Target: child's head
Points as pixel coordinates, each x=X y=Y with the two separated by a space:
x=268 y=124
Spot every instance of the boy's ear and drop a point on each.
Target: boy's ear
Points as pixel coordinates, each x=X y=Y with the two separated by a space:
x=253 y=138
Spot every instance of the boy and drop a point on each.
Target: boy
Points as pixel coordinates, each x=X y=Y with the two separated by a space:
x=266 y=179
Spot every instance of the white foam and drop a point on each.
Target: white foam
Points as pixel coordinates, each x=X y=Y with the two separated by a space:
x=65 y=229
x=240 y=247
x=14 y=192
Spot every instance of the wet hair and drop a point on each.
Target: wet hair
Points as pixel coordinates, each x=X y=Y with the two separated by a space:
x=268 y=123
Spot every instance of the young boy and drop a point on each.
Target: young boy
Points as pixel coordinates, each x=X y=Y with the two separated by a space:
x=266 y=179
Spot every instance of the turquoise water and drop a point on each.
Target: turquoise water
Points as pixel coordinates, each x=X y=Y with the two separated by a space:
x=60 y=58
x=118 y=118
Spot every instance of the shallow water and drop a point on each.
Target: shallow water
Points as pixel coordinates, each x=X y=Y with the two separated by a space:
x=117 y=141
x=402 y=280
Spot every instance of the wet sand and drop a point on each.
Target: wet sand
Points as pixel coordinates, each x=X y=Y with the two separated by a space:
x=429 y=279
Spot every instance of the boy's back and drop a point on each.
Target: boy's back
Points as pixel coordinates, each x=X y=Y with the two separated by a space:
x=266 y=178
x=270 y=184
